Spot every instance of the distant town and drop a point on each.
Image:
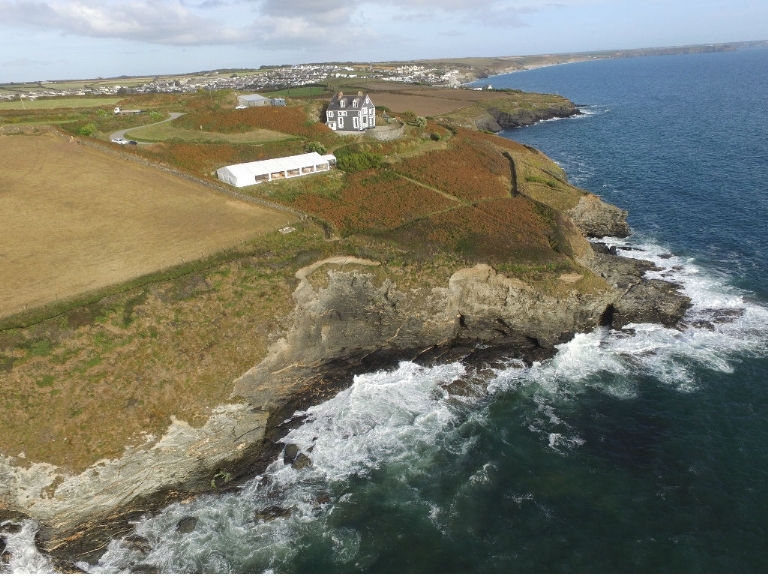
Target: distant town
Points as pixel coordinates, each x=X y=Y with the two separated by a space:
x=262 y=80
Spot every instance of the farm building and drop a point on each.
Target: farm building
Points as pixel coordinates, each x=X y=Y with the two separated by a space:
x=250 y=173
x=350 y=113
x=249 y=100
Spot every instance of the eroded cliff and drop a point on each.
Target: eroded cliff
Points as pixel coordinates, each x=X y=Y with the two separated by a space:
x=350 y=315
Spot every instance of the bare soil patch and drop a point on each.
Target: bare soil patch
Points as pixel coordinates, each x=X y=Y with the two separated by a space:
x=77 y=219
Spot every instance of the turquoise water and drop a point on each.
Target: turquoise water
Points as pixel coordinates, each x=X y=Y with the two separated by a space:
x=642 y=451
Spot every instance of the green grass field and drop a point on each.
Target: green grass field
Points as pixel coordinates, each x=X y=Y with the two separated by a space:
x=50 y=104
x=167 y=131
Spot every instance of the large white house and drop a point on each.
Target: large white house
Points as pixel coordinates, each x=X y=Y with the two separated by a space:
x=350 y=113
x=250 y=173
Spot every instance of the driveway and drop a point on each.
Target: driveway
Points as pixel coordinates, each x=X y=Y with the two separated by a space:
x=121 y=133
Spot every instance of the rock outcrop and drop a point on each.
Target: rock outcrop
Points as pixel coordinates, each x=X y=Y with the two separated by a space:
x=496 y=120
x=597 y=219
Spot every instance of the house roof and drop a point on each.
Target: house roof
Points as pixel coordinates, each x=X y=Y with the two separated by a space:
x=252 y=97
x=347 y=99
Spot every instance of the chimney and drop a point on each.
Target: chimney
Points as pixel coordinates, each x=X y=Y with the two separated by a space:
x=360 y=93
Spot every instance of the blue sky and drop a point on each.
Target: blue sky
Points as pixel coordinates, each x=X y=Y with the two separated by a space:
x=74 y=39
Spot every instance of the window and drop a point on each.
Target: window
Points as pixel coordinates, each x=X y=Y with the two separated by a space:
x=355 y=103
x=355 y=123
x=330 y=114
x=341 y=122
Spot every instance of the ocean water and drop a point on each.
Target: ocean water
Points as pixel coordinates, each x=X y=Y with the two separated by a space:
x=644 y=450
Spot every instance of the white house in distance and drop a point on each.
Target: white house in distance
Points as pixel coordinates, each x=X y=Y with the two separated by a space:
x=350 y=113
x=250 y=173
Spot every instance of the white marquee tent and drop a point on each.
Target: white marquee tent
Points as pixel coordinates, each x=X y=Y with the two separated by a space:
x=275 y=169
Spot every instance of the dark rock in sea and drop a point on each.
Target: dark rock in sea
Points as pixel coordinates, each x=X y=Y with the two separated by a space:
x=641 y=299
x=603 y=248
x=725 y=315
x=64 y=567
x=667 y=307
x=271 y=513
x=322 y=498
x=290 y=454
x=186 y=524
x=302 y=461
x=703 y=325
x=145 y=569
x=137 y=543
x=11 y=528
x=665 y=256
x=5 y=556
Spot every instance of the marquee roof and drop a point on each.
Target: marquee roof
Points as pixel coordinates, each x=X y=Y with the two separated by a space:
x=245 y=174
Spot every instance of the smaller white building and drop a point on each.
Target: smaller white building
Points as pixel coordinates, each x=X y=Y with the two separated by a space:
x=248 y=100
x=250 y=173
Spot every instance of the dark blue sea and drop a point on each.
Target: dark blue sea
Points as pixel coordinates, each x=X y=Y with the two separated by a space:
x=636 y=451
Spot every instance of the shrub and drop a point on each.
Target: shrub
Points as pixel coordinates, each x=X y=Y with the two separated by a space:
x=421 y=122
x=316 y=147
x=350 y=160
x=87 y=129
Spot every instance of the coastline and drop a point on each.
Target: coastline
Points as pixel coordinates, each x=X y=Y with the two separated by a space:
x=333 y=336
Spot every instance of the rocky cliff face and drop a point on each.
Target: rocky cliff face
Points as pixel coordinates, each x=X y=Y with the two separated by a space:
x=346 y=319
x=496 y=120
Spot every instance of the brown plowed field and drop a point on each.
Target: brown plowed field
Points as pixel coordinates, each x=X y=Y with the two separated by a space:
x=76 y=219
x=425 y=101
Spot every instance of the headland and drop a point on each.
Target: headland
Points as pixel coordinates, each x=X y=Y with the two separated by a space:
x=448 y=243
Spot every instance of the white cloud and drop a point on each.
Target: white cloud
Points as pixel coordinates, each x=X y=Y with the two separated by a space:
x=493 y=13
x=157 y=22
x=264 y=23
x=298 y=25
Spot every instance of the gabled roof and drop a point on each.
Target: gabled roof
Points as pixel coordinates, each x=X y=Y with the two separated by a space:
x=347 y=100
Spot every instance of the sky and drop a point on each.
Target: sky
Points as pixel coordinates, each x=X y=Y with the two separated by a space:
x=83 y=39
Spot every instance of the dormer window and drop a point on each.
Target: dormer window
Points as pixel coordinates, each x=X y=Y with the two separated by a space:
x=355 y=103
x=342 y=103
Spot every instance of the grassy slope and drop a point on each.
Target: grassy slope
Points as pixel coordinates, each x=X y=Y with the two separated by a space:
x=81 y=384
